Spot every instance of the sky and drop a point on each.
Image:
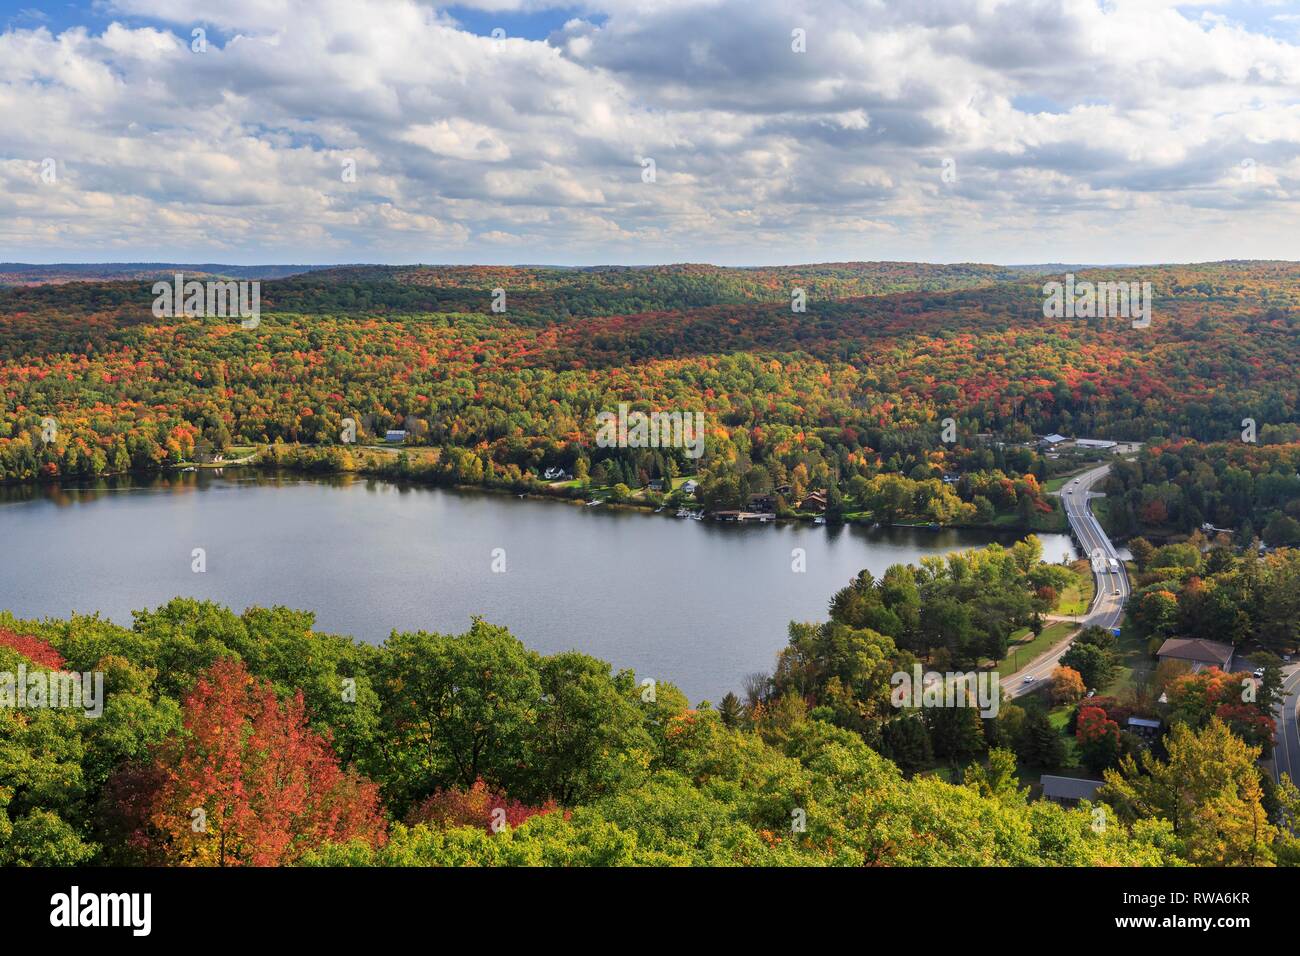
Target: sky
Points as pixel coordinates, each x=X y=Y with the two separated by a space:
x=737 y=132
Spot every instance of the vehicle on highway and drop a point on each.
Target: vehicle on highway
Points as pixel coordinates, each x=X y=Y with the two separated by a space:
x=1028 y=680
x=1116 y=591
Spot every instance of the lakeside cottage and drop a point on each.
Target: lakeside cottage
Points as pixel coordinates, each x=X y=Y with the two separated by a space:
x=815 y=501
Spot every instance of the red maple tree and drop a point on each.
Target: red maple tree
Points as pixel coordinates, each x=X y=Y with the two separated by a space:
x=478 y=806
x=247 y=782
x=33 y=648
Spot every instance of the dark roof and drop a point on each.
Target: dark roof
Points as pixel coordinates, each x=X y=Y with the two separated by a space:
x=1196 y=649
x=1070 y=788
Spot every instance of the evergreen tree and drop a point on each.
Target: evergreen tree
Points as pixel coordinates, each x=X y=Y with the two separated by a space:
x=730 y=711
x=1040 y=746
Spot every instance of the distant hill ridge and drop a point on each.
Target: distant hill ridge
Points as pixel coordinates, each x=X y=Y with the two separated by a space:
x=23 y=273
x=869 y=277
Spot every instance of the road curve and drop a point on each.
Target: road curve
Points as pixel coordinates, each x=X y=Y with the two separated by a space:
x=1112 y=587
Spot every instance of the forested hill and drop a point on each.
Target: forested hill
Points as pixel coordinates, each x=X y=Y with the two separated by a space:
x=854 y=385
x=26 y=273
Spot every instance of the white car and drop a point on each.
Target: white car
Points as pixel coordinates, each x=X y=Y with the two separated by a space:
x=1259 y=672
x=1286 y=658
x=1028 y=680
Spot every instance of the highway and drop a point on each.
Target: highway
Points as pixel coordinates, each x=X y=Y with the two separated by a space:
x=1286 y=752
x=1112 y=587
x=1108 y=611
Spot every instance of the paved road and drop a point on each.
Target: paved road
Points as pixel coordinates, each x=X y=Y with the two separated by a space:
x=1112 y=587
x=1286 y=752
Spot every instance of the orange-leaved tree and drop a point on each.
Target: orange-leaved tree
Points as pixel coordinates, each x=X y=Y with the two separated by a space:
x=246 y=782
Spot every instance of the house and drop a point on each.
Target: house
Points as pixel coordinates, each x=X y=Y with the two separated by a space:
x=656 y=484
x=814 y=501
x=765 y=504
x=1069 y=790
x=1144 y=727
x=951 y=478
x=395 y=435
x=1094 y=443
x=1197 y=652
x=688 y=487
x=556 y=474
x=1052 y=440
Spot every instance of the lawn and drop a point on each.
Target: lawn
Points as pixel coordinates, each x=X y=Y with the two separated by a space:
x=1025 y=647
x=1059 y=482
x=1077 y=598
x=1135 y=665
x=1055 y=522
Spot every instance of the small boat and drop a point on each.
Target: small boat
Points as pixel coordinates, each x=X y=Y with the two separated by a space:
x=698 y=516
x=659 y=509
x=593 y=502
x=683 y=513
x=820 y=519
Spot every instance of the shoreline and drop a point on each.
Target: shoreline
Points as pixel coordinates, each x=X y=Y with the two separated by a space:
x=253 y=466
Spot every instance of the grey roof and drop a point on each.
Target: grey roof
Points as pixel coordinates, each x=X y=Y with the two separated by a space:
x=1070 y=788
x=1144 y=722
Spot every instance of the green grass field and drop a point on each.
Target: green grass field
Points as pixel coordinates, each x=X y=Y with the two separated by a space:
x=1025 y=647
x=1077 y=598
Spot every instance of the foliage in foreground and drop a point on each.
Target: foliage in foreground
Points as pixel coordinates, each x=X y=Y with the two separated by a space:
x=188 y=724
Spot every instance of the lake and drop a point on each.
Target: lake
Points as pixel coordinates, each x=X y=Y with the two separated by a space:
x=692 y=602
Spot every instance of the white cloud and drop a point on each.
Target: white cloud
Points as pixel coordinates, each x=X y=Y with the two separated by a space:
x=1077 y=132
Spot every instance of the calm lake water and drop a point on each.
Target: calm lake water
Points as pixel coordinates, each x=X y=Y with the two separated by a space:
x=692 y=602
